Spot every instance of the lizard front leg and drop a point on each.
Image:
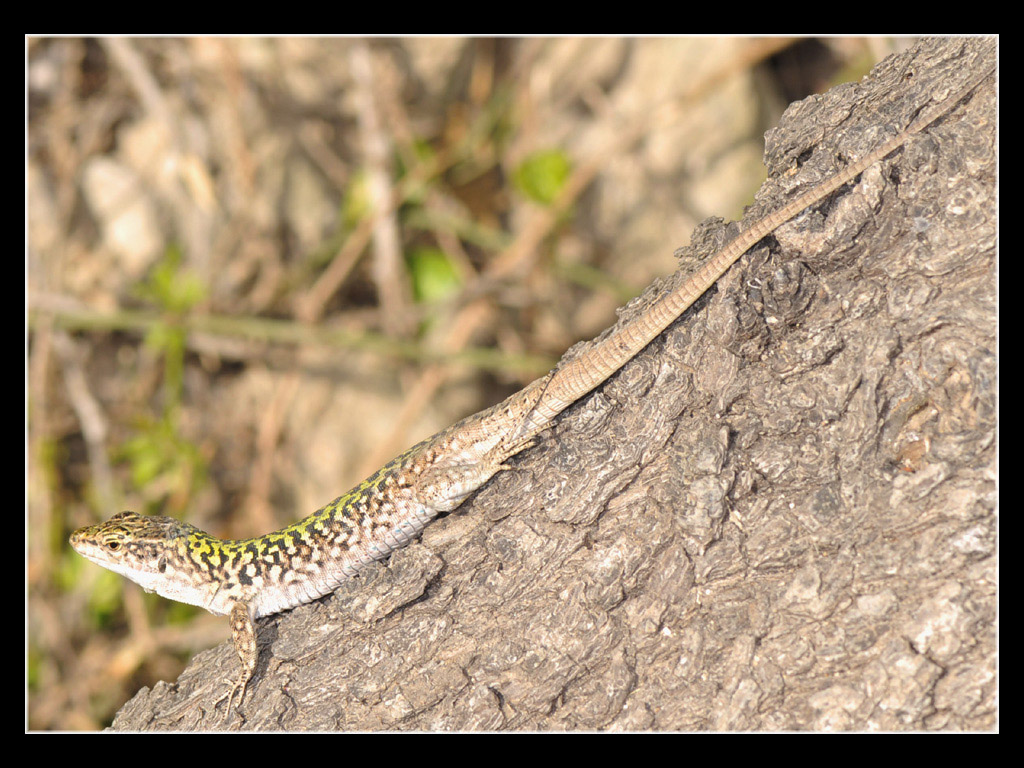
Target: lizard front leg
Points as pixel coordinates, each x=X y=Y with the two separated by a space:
x=243 y=632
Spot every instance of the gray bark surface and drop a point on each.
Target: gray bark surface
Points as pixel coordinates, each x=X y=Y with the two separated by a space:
x=780 y=515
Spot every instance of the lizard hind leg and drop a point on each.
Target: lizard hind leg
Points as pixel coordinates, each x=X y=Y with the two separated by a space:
x=443 y=488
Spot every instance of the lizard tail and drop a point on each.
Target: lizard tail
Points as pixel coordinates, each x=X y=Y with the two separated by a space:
x=580 y=375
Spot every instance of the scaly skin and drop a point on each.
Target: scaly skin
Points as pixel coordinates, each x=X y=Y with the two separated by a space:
x=257 y=577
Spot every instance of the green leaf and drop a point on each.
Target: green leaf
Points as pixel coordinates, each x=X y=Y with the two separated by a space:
x=172 y=287
x=355 y=204
x=542 y=175
x=433 y=275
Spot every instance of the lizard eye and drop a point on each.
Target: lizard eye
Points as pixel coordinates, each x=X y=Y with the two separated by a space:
x=113 y=546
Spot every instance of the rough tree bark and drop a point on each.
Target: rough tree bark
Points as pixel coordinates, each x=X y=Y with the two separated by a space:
x=781 y=515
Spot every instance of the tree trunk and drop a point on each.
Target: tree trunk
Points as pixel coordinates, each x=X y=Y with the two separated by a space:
x=780 y=515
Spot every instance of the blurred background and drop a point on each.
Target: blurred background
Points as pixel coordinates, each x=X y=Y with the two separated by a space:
x=257 y=269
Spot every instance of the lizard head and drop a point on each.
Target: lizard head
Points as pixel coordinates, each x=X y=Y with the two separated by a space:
x=132 y=545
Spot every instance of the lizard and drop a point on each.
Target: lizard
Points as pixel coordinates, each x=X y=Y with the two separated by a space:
x=252 y=578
